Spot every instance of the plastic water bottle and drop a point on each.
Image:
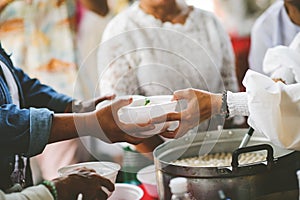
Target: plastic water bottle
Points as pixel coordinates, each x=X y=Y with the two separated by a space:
x=179 y=189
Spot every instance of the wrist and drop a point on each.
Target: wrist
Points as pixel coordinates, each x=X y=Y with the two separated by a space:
x=83 y=124
x=216 y=104
x=87 y=124
x=93 y=126
x=52 y=188
x=61 y=185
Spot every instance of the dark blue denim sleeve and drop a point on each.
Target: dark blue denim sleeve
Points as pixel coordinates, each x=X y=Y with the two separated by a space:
x=24 y=131
x=41 y=96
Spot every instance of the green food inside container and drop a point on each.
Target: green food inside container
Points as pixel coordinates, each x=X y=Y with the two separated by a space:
x=147 y=101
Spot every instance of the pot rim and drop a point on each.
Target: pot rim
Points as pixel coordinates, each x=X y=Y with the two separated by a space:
x=227 y=136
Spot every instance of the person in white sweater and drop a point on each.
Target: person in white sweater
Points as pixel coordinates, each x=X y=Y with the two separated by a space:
x=158 y=47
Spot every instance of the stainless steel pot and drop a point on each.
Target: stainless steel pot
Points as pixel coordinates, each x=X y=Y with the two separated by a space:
x=276 y=175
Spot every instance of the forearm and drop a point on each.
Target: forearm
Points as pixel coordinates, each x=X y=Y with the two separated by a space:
x=66 y=126
x=73 y=125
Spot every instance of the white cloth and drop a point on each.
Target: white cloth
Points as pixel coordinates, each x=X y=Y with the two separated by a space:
x=272 y=28
x=274 y=109
x=283 y=62
x=143 y=55
x=33 y=193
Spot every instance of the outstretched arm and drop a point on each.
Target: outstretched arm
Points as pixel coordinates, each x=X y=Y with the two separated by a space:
x=103 y=124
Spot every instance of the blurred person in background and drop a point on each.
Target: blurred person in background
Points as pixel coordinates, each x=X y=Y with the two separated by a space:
x=157 y=47
x=238 y=18
x=42 y=36
x=278 y=25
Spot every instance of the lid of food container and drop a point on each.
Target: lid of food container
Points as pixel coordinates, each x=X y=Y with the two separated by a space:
x=178 y=185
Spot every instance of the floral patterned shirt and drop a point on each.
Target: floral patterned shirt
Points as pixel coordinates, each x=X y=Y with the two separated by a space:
x=40 y=37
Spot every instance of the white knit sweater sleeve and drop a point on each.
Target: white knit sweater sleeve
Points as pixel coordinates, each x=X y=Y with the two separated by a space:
x=237 y=104
x=33 y=193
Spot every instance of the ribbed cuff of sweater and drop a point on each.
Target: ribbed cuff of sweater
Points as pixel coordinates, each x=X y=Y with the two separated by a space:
x=237 y=104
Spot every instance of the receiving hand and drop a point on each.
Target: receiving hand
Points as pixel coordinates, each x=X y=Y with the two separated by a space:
x=106 y=120
x=84 y=181
x=201 y=105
